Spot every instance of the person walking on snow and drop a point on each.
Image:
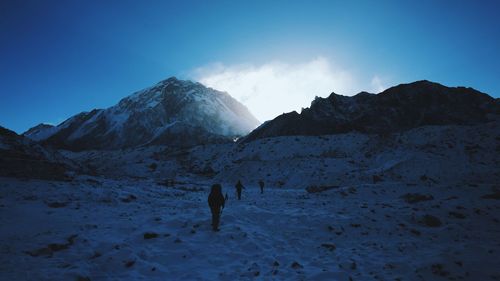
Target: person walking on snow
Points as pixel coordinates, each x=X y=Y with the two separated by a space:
x=239 y=187
x=261 y=184
x=216 y=203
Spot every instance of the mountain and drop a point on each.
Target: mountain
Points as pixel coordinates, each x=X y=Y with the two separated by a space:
x=396 y=109
x=172 y=112
x=23 y=158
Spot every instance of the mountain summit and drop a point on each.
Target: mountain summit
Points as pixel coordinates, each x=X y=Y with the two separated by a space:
x=172 y=112
x=396 y=109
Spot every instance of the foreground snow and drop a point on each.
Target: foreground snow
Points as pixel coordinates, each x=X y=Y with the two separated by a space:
x=103 y=229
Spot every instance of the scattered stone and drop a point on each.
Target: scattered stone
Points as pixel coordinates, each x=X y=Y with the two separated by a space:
x=330 y=247
x=321 y=188
x=30 y=198
x=150 y=235
x=416 y=197
x=376 y=178
x=152 y=166
x=129 y=198
x=129 y=264
x=53 y=247
x=416 y=232
x=438 y=269
x=430 y=221
x=495 y=195
x=296 y=265
x=57 y=204
x=353 y=265
x=457 y=215
x=95 y=255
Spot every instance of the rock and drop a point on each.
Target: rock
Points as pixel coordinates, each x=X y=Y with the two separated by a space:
x=296 y=265
x=53 y=247
x=457 y=215
x=376 y=178
x=330 y=247
x=129 y=264
x=57 y=204
x=495 y=195
x=150 y=235
x=129 y=198
x=430 y=221
x=416 y=197
x=317 y=189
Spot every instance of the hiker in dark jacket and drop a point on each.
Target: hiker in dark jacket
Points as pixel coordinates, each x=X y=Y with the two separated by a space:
x=261 y=184
x=216 y=202
x=239 y=187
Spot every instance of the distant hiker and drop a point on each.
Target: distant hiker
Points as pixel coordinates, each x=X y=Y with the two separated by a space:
x=216 y=202
x=261 y=184
x=227 y=197
x=239 y=187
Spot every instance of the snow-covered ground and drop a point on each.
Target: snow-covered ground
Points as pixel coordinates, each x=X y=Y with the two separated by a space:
x=124 y=229
x=418 y=205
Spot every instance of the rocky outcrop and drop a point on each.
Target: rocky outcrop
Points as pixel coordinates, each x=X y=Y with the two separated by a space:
x=396 y=109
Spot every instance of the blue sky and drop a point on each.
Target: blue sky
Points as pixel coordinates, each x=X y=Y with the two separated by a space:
x=58 y=58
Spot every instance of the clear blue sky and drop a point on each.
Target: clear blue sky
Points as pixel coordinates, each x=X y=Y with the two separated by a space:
x=58 y=58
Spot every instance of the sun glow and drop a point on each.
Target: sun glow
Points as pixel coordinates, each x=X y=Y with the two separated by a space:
x=271 y=89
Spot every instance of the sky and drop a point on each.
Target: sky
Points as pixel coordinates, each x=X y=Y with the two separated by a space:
x=59 y=58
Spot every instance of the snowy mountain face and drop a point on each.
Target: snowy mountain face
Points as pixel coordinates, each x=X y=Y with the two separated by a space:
x=397 y=109
x=173 y=112
x=41 y=131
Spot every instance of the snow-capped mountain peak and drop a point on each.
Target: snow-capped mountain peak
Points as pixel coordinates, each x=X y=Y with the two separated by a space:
x=164 y=113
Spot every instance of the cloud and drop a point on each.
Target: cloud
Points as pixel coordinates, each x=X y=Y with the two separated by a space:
x=377 y=85
x=273 y=88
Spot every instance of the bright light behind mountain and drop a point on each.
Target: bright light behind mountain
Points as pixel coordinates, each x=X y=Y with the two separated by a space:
x=271 y=89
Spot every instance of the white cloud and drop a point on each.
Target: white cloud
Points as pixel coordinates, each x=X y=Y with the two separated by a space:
x=271 y=89
x=377 y=85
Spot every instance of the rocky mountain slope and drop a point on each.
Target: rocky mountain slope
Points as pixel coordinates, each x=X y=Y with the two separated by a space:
x=23 y=158
x=173 y=112
x=396 y=109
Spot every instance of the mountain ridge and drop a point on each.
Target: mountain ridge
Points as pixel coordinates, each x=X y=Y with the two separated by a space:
x=398 y=108
x=23 y=158
x=159 y=114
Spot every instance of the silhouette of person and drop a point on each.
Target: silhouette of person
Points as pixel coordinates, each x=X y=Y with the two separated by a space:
x=216 y=202
x=239 y=187
x=261 y=184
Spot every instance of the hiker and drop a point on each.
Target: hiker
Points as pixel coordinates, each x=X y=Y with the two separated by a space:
x=261 y=184
x=239 y=187
x=216 y=202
